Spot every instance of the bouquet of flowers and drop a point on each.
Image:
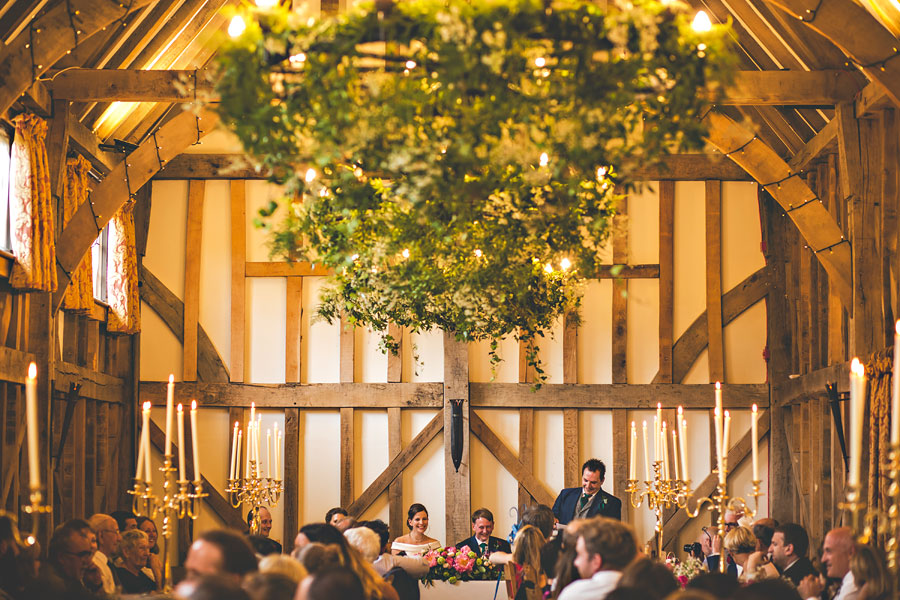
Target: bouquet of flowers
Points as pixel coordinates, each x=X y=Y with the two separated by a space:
x=452 y=565
x=684 y=570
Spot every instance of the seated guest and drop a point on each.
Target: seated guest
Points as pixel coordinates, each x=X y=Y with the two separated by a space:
x=528 y=578
x=713 y=549
x=332 y=584
x=767 y=589
x=588 y=500
x=346 y=523
x=788 y=549
x=221 y=553
x=208 y=587
x=837 y=550
x=316 y=532
x=414 y=566
x=335 y=515
x=317 y=557
x=135 y=551
x=154 y=564
x=367 y=545
x=719 y=585
x=265 y=526
x=649 y=576
x=69 y=556
x=758 y=564
x=604 y=547
x=740 y=544
x=283 y=565
x=415 y=543
x=482 y=542
x=264 y=546
x=125 y=519
x=106 y=529
x=565 y=571
x=270 y=586
x=540 y=516
x=871 y=574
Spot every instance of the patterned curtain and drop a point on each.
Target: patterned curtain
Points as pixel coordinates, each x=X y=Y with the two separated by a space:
x=121 y=274
x=31 y=209
x=79 y=295
x=878 y=374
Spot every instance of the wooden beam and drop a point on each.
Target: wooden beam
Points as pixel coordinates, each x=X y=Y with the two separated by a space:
x=457 y=484
x=347 y=343
x=14 y=364
x=798 y=389
x=193 y=244
x=620 y=296
x=211 y=166
x=510 y=461
x=112 y=193
x=238 y=281
x=21 y=64
x=824 y=142
x=526 y=451
x=714 y=325
x=812 y=220
x=305 y=395
x=615 y=395
x=291 y=474
x=395 y=361
x=132 y=85
x=570 y=349
x=87 y=144
x=792 y=88
x=57 y=143
x=397 y=466
x=91 y=384
x=347 y=442
x=294 y=298
x=666 y=279
x=621 y=452
x=285 y=269
x=395 y=488
x=571 y=438
x=170 y=309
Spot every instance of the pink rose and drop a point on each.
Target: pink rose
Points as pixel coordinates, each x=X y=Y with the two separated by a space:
x=464 y=563
x=682 y=580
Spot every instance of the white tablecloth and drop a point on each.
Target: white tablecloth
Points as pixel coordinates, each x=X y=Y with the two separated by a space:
x=464 y=590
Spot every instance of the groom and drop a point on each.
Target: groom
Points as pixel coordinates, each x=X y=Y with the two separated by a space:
x=588 y=500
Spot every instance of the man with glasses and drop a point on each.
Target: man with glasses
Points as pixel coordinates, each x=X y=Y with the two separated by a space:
x=108 y=539
x=712 y=545
x=69 y=556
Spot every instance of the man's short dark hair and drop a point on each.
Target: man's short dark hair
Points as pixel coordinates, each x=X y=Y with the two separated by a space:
x=336 y=583
x=121 y=516
x=595 y=465
x=482 y=513
x=322 y=533
x=763 y=532
x=540 y=516
x=337 y=510
x=611 y=539
x=237 y=554
x=59 y=541
x=796 y=536
x=379 y=527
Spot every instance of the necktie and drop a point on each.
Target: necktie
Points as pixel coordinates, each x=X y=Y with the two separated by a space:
x=583 y=501
x=482 y=546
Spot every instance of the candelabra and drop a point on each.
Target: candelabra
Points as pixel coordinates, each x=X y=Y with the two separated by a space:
x=879 y=519
x=661 y=493
x=254 y=491
x=35 y=508
x=721 y=502
x=185 y=501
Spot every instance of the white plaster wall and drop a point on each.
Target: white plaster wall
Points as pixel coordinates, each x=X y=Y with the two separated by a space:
x=423 y=480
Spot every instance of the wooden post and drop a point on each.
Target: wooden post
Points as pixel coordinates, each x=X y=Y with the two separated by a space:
x=347 y=343
x=292 y=330
x=395 y=490
x=238 y=281
x=395 y=361
x=666 y=279
x=571 y=475
x=619 y=300
x=526 y=451
x=39 y=340
x=621 y=436
x=457 y=483
x=714 y=280
x=192 y=277
x=347 y=445
x=570 y=350
x=291 y=476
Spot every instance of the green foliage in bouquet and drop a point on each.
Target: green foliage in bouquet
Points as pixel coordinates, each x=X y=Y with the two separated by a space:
x=453 y=565
x=457 y=164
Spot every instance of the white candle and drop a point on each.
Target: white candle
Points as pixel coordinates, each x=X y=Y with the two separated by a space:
x=145 y=421
x=675 y=450
x=684 y=454
x=665 y=450
x=725 y=440
x=655 y=439
x=719 y=466
x=895 y=384
x=247 y=472
x=269 y=453
x=646 y=455
x=194 y=442
x=180 y=411
x=632 y=466
x=754 y=429
x=237 y=473
x=857 y=413
x=146 y=438
x=277 y=453
x=170 y=406
x=718 y=416
x=658 y=422
x=31 y=415
x=234 y=446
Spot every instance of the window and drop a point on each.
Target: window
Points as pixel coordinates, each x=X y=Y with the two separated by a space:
x=99 y=260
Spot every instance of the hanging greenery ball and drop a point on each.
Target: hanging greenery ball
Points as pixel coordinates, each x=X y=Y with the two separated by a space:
x=456 y=164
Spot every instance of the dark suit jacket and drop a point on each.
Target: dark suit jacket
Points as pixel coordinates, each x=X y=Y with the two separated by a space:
x=495 y=544
x=799 y=570
x=712 y=563
x=606 y=505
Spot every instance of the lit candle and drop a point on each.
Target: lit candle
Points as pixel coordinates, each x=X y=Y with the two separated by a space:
x=247 y=472
x=237 y=473
x=655 y=439
x=675 y=450
x=194 y=442
x=665 y=450
x=180 y=411
x=277 y=453
x=256 y=431
x=684 y=455
x=857 y=413
x=147 y=444
x=725 y=440
x=170 y=407
x=234 y=446
x=646 y=455
x=754 y=428
x=31 y=410
x=145 y=420
x=632 y=466
x=269 y=453
x=659 y=421
x=895 y=384
x=719 y=466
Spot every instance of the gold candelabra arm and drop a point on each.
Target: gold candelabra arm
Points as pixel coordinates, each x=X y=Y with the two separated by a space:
x=633 y=492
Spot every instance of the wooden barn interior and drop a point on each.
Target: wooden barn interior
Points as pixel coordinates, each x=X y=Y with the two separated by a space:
x=735 y=270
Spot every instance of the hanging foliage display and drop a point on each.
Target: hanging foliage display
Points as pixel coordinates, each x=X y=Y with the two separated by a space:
x=456 y=164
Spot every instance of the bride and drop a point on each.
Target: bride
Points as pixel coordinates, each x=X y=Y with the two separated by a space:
x=415 y=543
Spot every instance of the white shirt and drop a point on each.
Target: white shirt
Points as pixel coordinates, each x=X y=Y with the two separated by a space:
x=109 y=584
x=595 y=588
x=849 y=589
x=413 y=565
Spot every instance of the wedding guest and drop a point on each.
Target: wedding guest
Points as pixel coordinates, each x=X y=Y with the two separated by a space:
x=541 y=516
x=790 y=544
x=415 y=543
x=482 y=542
x=758 y=564
x=222 y=553
x=529 y=578
x=346 y=523
x=283 y=565
x=740 y=544
x=125 y=519
x=565 y=571
x=316 y=532
x=154 y=564
x=604 y=547
x=871 y=574
x=331 y=584
x=837 y=550
x=649 y=576
x=60 y=576
x=767 y=589
x=414 y=566
x=719 y=585
x=365 y=544
x=108 y=539
x=334 y=515
x=210 y=587
x=589 y=500
x=270 y=586
x=135 y=552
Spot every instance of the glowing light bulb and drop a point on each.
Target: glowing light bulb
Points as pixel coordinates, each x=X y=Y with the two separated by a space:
x=310 y=175
x=477 y=253
x=237 y=26
x=540 y=61
x=565 y=264
x=405 y=253
x=297 y=60
x=410 y=64
x=544 y=159
x=601 y=172
x=266 y=3
x=701 y=22
x=548 y=268
x=355 y=257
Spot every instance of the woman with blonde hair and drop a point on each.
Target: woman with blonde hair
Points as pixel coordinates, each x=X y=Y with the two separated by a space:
x=871 y=574
x=740 y=543
x=527 y=579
